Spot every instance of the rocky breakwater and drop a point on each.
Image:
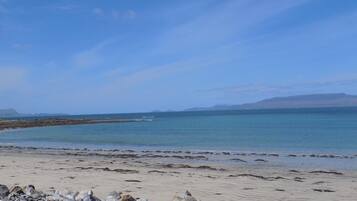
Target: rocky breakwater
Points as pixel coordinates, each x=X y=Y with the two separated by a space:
x=29 y=193
x=28 y=123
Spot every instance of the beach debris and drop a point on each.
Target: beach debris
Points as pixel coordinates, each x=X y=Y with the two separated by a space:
x=123 y=171
x=318 y=182
x=238 y=160
x=323 y=190
x=157 y=171
x=279 y=189
x=132 y=180
x=326 y=172
x=202 y=167
x=299 y=179
x=258 y=177
x=260 y=160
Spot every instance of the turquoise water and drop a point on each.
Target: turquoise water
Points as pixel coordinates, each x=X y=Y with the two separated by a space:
x=300 y=130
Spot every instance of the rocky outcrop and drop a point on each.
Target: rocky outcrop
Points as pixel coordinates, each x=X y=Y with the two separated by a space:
x=29 y=193
x=4 y=191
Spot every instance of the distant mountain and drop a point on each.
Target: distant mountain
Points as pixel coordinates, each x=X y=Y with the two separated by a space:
x=7 y=113
x=301 y=101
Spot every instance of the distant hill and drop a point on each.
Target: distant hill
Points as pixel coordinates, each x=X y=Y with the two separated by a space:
x=301 y=101
x=8 y=113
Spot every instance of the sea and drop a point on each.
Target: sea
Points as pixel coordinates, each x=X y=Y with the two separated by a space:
x=320 y=138
x=324 y=130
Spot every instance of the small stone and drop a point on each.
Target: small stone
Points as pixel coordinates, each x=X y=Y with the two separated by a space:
x=16 y=190
x=65 y=195
x=86 y=196
x=4 y=191
x=188 y=197
x=29 y=190
x=127 y=198
x=113 y=196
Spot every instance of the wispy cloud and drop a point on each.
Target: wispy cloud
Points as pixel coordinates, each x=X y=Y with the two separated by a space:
x=312 y=86
x=128 y=14
x=92 y=56
x=67 y=7
x=152 y=73
x=114 y=14
x=21 y=46
x=98 y=11
x=220 y=25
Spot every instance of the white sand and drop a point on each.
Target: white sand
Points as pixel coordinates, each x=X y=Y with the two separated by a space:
x=59 y=171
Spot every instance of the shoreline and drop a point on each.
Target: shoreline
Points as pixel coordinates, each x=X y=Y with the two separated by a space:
x=159 y=175
x=247 y=159
x=189 y=151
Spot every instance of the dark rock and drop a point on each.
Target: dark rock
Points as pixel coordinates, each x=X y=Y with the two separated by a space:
x=16 y=190
x=4 y=191
x=127 y=198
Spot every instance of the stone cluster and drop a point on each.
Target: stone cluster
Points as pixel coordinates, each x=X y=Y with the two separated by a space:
x=29 y=193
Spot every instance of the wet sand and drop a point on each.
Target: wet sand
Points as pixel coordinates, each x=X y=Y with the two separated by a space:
x=159 y=175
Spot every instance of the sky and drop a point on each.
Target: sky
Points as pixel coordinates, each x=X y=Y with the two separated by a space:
x=83 y=56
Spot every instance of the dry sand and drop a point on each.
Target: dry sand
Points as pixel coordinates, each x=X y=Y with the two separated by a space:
x=157 y=179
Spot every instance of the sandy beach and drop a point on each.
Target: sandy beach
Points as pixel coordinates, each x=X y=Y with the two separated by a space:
x=160 y=176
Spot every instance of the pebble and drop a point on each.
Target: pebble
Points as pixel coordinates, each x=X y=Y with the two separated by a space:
x=113 y=196
x=186 y=197
x=86 y=196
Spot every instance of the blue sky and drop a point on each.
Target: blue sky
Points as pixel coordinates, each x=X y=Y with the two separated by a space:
x=130 y=56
